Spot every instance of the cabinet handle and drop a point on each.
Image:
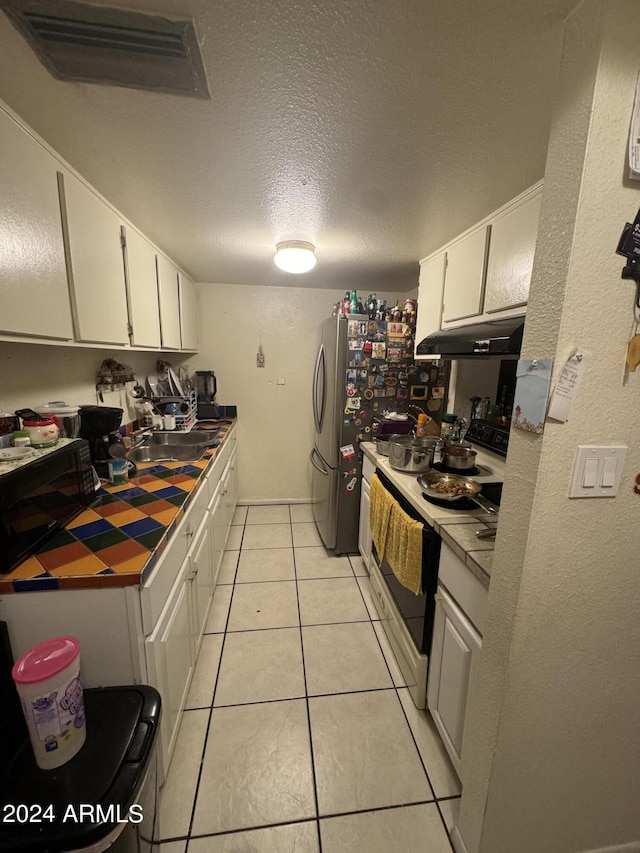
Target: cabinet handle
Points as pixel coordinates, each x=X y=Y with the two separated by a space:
x=188 y=533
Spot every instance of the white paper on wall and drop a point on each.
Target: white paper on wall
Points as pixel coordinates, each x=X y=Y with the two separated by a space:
x=566 y=387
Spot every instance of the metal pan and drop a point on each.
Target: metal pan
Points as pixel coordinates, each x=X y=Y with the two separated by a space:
x=465 y=487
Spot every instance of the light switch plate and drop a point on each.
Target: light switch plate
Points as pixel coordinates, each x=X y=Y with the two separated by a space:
x=597 y=471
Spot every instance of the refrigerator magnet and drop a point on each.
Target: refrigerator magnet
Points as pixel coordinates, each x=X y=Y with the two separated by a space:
x=353 y=405
x=347 y=451
x=351 y=375
x=379 y=350
x=402 y=393
x=437 y=392
x=368 y=394
x=352 y=329
x=419 y=392
x=351 y=389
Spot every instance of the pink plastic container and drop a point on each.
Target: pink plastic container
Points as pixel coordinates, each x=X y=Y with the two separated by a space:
x=47 y=678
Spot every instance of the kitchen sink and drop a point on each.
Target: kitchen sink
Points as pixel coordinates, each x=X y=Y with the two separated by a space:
x=182 y=439
x=174 y=447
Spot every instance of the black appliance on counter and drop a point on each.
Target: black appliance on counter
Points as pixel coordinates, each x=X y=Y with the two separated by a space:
x=99 y=426
x=114 y=769
x=38 y=498
x=207 y=388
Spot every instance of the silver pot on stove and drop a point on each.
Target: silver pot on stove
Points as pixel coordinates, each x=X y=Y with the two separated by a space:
x=410 y=454
x=458 y=457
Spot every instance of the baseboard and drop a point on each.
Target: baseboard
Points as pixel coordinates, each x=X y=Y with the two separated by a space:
x=634 y=847
x=456 y=841
x=271 y=502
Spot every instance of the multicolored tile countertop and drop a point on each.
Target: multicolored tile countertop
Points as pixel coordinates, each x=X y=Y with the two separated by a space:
x=119 y=540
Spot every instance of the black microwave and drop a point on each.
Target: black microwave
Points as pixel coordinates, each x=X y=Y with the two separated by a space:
x=40 y=497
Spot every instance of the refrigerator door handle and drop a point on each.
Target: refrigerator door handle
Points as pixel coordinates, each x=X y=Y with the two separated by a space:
x=314 y=455
x=319 y=375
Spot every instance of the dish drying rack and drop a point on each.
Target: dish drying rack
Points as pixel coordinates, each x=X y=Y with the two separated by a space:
x=184 y=419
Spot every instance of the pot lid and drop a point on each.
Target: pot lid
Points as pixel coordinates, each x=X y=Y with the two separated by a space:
x=57 y=407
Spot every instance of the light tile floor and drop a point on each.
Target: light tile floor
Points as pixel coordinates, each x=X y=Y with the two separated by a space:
x=299 y=732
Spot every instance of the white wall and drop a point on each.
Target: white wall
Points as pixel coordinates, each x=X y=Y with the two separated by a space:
x=31 y=374
x=553 y=761
x=275 y=423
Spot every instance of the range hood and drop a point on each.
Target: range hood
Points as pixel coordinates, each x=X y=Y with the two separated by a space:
x=499 y=338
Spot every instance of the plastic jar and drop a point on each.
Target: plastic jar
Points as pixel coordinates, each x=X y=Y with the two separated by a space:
x=47 y=678
x=21 y=438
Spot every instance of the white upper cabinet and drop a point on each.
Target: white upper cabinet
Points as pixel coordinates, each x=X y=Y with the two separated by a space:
x=188 y=313
x=142 y=289
x=430 y=297
x=513 y=243
x=33 y=280
x=486 y=271
x=169 y=303
x=465 y=276
x=95 y=264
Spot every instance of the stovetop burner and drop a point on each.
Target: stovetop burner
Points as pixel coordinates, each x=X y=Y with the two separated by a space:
x=447 y=469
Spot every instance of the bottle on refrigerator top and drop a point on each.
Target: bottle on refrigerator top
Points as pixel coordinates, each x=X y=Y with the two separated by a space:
x=353 y=302
x=346 y=303
x=448 y=426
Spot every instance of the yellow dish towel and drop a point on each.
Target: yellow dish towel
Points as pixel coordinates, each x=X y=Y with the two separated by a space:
x=379 y=509
x=403 y=549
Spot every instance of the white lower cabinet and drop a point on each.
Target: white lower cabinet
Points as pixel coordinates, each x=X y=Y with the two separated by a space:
x=170 y=661
x=364 y=529
x=455 y=650
x=455 y=642
x=200 y=558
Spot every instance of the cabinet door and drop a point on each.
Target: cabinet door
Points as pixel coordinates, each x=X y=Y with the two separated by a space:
x=95 y=264
x=188 y=313
x=200 y=579
x=455 y=642
x=364 y=531
x=169 y=303
x=231 y=491
x=33 y=277
x=465 y=276
x=170 y=661
x=513 y=243
x=142 y=289
x=430 y=293
x=217 y=519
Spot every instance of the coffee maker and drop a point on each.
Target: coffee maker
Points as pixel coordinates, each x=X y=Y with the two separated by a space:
x=207 y=387
x=99 y=426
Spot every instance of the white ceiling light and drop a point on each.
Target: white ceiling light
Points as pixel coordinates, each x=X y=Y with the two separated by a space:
x=295 y=256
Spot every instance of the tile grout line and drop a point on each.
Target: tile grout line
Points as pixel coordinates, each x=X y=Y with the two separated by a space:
x=213 y=697
x=306 y=691
x=413 y=738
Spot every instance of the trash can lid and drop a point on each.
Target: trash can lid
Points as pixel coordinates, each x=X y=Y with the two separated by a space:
x=45 y=660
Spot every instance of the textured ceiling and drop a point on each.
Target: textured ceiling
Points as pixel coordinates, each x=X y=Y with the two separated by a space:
x=377 y=129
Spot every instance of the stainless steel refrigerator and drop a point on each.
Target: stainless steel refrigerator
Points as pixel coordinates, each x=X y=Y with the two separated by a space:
x=363 y=367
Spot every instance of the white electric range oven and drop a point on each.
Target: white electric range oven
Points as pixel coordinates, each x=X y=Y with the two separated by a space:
x=408 y=618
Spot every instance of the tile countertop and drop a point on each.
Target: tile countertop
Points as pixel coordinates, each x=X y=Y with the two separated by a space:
x=118 y=540
x=457 y=528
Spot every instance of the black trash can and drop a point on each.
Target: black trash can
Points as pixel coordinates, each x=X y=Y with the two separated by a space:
x=105 y=797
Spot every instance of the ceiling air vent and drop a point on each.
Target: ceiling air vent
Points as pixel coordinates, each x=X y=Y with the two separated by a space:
x=96 y=44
